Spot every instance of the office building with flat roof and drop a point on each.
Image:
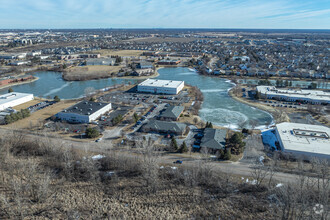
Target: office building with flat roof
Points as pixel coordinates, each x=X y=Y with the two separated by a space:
x=13 y=99
x=304 y=140
x=84 y=112
x=293 y=95
x=157 y=86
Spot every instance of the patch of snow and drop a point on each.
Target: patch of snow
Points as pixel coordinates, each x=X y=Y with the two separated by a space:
x=162 y=167
x=261 y=159
x=110 y=173
x=174 y=168
x=279 y=185
x=97 y=157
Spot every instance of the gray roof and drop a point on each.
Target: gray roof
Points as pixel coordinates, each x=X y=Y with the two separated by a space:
x=164 y=126
x=172 y=112
x=214 y=138
x=85 y=108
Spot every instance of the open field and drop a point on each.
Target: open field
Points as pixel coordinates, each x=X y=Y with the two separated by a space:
x=28 y=104
x=39 y=116
x=106 y=52
x=81 y=73
x=168 y=39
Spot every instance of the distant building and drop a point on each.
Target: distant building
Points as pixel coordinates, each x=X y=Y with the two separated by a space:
x=84 y=112
x=214 y=139
x=6 y=81
x=168 y=62
x=304 y=140
x=308 y=96
x=144 y=65
x=101 y=61
x=172 y=113
x=165 y=127
x=161 y=86
x=8 y=56
x=20 y=63
x=13 y=99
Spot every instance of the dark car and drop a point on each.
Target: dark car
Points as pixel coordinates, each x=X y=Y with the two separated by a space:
x=178 y=162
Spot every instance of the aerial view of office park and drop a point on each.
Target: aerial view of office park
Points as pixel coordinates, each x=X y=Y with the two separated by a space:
x=106 y=113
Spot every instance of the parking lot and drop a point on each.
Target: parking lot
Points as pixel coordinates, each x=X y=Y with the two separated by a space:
x=40 y=106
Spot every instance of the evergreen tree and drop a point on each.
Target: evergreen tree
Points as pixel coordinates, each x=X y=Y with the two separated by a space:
x=227 y=154
x=135 y=117
x=92 y=133
x=183 y=148
x=56 y=98
x=10 y=90
x=174 y=144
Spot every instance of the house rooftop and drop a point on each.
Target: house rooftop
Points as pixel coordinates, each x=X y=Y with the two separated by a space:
x=172 y=112
x=214 y=138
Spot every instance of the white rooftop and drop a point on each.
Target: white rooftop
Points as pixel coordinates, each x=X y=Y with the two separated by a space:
x=12 y=96
x=301 y=93
x=305 y=137
x=161 y=83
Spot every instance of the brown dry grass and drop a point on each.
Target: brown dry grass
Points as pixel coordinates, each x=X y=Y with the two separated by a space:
x=90 y=72
x=37 y=117
x=28 y=104
x=106 y=52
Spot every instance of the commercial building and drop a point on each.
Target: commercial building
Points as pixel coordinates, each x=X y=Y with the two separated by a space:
x=84 y=112
x=172 y=113
x=168 y=62
x=161 y=86
x=214 y=139
x=144 y=65
x=13 y=99
x=101 y=61
x=293 y=95
x=8 y=80
x=165 y=127
x=303 y=140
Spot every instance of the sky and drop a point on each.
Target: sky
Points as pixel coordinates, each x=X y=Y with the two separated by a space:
x=259 y=14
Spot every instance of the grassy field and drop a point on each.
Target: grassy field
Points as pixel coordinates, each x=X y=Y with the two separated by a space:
x=90 y=72
x=105 y=52
x=27 y=104
x=36 y=118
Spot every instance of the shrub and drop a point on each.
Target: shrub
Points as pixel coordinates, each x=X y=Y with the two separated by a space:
x=227 y=154
x=56 y=98
x=92 y=133
x=183 y=148
x=17 y=116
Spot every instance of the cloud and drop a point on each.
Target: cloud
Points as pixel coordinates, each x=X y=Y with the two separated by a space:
x=166 y=14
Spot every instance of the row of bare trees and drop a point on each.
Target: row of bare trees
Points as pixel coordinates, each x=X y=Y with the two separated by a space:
x=45 y=177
